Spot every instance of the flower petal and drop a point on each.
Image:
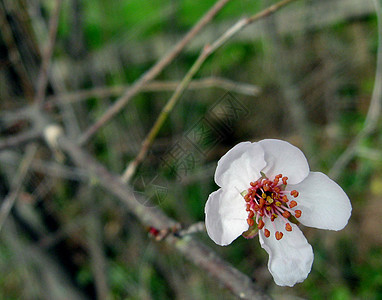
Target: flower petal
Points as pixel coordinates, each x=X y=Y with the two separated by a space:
x=226 y=217
x=323 y=202
x=240 y=165
x=284 y=158
x=291 y=258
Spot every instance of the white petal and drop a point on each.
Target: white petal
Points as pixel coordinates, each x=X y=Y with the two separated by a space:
x=226 y=217
x=323 y=202
x=286 y=159
x=240 y=165
x=291 y=258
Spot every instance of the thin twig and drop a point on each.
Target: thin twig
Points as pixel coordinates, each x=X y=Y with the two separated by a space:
x=158 y=86
x=42 y=81
x=16 y=185
x=19 y=139
x=206 y=52
x=152 y=72
x=374 y=111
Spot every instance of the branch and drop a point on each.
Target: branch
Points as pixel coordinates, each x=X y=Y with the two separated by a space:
x=16 y=185
x=42 y=81
x=157 y=86
x=19 y=139
x=206 y=52
x=374 y=111
x=240 y=284
x=152 y=73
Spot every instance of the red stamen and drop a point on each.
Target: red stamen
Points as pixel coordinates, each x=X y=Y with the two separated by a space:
x=250 y=222
x=278 y=235
x=294 y=193
x=251 y=214
x=292 y=204
x=267 y=233
x=298 y=213
x=261 y=224
x=288 y=227
x=284 y=179
x=286 y=214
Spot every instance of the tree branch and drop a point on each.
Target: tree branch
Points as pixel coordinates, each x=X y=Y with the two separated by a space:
x=42 y=81
x=374 y=111
x=206 y=52
x=152 y=72
x=157 y=86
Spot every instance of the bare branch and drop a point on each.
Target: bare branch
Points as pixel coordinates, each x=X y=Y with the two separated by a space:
x=158 y=86
x=42 y=81
x=206 y=52
x=9 y=201
x=374 y=111
x=153 y=72
x=19 y=139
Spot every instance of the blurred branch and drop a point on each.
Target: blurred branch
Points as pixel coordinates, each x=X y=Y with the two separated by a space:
x=19 y=139
x=42 y=81
x=152 y=72
x=375 y=106
x=206 y=52
x=16 y=185
x=46 y=276
x=97 y=258
x=13 y=52
x=49 y=168
x=158 y=86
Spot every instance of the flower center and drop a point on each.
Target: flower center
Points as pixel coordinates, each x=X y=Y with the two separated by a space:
x=269 y=199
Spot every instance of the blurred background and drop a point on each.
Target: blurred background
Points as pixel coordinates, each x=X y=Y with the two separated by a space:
x=305 y=74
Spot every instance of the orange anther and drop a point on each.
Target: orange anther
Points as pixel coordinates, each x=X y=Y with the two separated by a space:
x=261 y=224
x=252 y=184
x=247 y=199
x=267 y=233
x=298 y=213
x=248 y=207
x=250 y=222
x=288 y=227
x=278 y=235
x=251 y=214
x=273 y=218
x=294 y=193
x=266 y=188
x=256 y=207
x=277 y=189
x=279 y=176
x=262 y=202
x=286 y=214
x=284 y=179
x=292 y=204
x=285 y=198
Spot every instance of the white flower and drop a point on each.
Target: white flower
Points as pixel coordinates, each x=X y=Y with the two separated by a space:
x=267 y=186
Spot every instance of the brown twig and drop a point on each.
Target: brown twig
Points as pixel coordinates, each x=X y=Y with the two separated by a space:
x=206 y=52
x=42 y=81
x=374 y=111
x=152 y=72
x=158 y=86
